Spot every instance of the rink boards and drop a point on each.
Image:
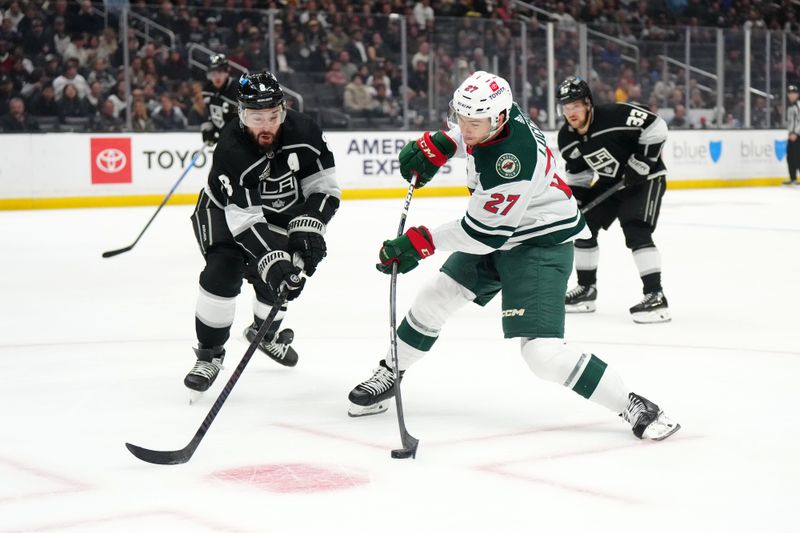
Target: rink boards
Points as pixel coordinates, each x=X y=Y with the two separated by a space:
x=58 y=170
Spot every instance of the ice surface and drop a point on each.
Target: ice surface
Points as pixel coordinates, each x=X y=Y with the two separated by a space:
x=93 y=353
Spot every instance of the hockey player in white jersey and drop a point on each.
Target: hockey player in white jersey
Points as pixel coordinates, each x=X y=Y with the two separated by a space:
x=515 y=238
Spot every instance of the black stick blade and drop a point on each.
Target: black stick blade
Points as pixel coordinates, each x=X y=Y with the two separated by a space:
x=408 y=451
x=177 y=457
x=112 y=253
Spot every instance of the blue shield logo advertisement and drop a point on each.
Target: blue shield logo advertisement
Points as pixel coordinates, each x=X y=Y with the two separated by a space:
x=715 y=147
x=780 y=149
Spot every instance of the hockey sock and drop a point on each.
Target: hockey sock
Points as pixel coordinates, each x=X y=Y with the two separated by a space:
x=436 y=301
x=586 y=260
x=584 y=373
x=213 y=318
x=648 y=262
x=260 y=312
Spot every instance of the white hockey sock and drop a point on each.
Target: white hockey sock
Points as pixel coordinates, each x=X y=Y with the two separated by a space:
x=262 y=310
x=648 y=260
x=215 y=311
x=587 y=258
x=584 y=373
x=436 y=301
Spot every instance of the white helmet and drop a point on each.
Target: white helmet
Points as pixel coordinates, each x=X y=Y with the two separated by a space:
x=483 y=95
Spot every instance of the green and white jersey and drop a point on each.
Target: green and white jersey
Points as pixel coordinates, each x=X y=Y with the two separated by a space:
x=518 y=196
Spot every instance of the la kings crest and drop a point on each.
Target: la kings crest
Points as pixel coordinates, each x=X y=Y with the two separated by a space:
x=278 y=193
x=603 y=162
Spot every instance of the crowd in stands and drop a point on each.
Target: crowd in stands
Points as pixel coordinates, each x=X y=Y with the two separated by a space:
x=61 y=61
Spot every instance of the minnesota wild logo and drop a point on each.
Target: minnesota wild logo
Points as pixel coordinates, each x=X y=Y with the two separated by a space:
x=508 y=166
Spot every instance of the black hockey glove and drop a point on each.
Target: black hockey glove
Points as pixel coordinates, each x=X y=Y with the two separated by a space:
x=636 y=172
x=210 y=133
x=278 y=273
x=580 y=194
x=306 y=238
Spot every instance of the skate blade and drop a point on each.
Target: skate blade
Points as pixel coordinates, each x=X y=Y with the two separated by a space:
x=652 y=317
x=661 y=428
x=194 y=396
x=583 y=307
x=356 y=411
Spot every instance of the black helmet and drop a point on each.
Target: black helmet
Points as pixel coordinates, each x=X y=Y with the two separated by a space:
x=260 y=91
x=573 y=88
x=792 y=89
x=218 y=62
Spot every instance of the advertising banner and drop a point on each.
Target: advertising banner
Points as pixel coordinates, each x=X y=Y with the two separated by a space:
x=137 y=169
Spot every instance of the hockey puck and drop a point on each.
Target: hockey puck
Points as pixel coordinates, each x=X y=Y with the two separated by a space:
x=402 y=454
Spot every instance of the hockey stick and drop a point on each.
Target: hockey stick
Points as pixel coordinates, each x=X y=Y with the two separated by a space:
x=409 y=448
x=112 y=253
x=177 y=457
x=610 y=192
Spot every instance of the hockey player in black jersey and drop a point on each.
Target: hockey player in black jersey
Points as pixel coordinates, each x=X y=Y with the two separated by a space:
x=271 y=191
x=219 y=94
x=617 y=142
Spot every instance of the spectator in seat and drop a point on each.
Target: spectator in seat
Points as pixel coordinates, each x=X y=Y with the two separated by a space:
x=95 y=97
x=119 y=98
x=168 y=117
x=101 y=73
x=140 y=119
x=197 y=113
x=385 y=105
x=105 y=119
x=679 y=120
x=72 y=105
x=423 y=53
x=35 y=42
x=58 y=39
x=281 y=60
x=335 y=76
x=418 y=80
x=71 y=75
x=17 y=120
x=212 y=36
x=78 y=50
x=357 y=98
x=7 y=92
x=107 y=45
x=337 y=39
x=348 y=67
x=43 y=103
x=86 y=20
x=423 y=12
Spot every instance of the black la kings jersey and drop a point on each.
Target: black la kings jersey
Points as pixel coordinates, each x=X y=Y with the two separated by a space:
x=618 y=132
x=221 y=104
x=261 y=191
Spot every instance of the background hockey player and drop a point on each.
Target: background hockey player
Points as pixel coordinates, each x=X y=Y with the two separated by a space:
x=618 y=142
x=515 y=238
x=219 y=94
x=271 y=190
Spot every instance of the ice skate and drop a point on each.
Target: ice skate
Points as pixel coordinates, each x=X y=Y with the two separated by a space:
x=370 y=397
x=581 y=299
x=205 y=371
x=647 y=420
x=278 y=348
x=652 y=309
